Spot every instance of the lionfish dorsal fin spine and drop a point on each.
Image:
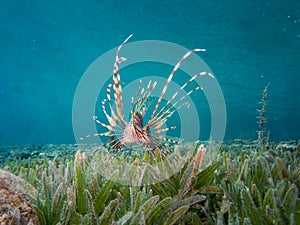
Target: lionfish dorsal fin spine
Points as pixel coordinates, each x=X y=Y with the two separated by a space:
x=117 y=83
x=113 y=119
x=142 y=97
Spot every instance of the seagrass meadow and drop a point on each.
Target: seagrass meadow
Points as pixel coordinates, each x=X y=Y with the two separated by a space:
x=231 y=186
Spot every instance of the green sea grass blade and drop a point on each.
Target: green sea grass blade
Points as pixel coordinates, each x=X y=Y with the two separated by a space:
x=160 y=189
x=137 y=202
x=186 y=201
x=297 y=214
x=167 y=166
x=171 y=186
x=146 y=157
x=290 y=200
x=260 y=173
x=55 y=199
x=74 y=218
x=268 y=198
x=92 y=215
x=296 y=176
x=68 y=172
x=274 y=173
x=80 y=185
x=205 y=177
x=254 y=214
x=159 y=160
x=283 y=173
x=32 y=176
x=259 y=198
x=104 y=194
x=265 y=218
x=46 y=161
x=47 y=210
x=281 y=188
x=58 y=176
x=94 y=188
x=57 y=204
x=157 y=211
x=39 y=212
x=249 y=207
x=176 y=215
x=108 y=213
x=186 y=170
x=145 y=210
x=279 y=212
x=196 y=220
x=46 y=185
x=124 y=219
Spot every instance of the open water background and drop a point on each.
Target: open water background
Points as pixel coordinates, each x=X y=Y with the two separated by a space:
x=46 y=46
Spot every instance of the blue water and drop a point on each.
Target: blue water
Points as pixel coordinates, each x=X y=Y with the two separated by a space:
x=47 y=46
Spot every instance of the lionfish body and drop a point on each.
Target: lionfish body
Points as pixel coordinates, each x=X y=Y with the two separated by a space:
x=135 y=132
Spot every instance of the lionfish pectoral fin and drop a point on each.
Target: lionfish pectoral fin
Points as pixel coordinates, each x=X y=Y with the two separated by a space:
x=180 y=89
x=172 y=140
x=161 y=130
x=171 y=77
x=158 y=121
x=104 y=134
x=154 y=116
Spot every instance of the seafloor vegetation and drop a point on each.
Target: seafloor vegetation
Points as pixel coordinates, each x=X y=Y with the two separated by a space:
x=233 y=187
x=236 y=184
x=256 y=185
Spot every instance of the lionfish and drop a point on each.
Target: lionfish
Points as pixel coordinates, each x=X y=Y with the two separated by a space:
x=122 y=133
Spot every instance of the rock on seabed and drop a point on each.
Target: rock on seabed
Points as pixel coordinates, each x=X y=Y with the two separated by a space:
x=15 y=207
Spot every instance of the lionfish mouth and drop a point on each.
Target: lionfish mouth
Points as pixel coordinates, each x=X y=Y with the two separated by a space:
x=151 y=136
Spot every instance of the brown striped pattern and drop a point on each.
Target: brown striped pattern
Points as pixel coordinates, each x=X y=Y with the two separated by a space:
x=150 y=135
